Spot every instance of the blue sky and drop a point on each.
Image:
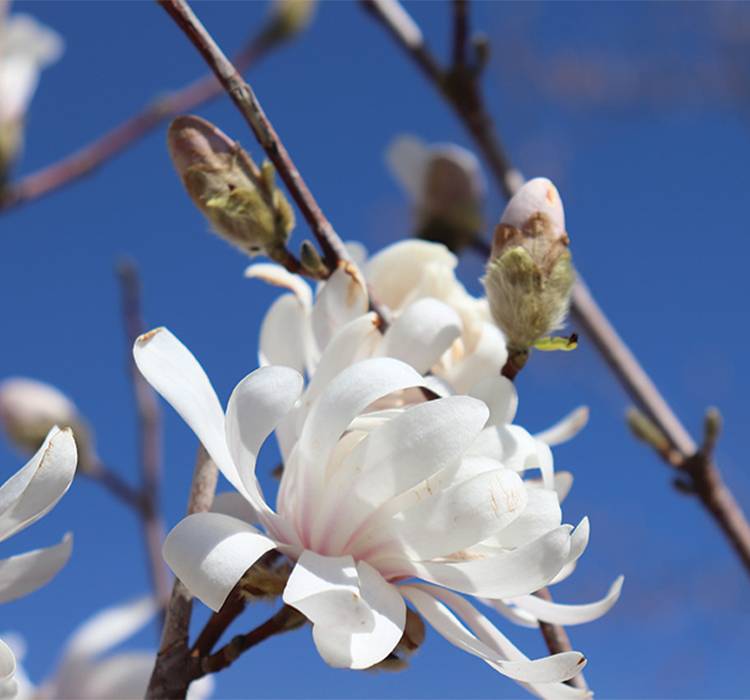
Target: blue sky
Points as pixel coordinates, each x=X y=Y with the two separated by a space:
x=651 y=160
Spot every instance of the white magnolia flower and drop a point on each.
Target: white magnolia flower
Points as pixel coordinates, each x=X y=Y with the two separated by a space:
x=88 y=671
x=446 y=186
x=24 y=498
x=435 y=325
x=369 y=503
x=26 y=47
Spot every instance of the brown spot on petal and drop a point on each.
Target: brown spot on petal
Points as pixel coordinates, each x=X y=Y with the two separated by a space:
x=146 y=337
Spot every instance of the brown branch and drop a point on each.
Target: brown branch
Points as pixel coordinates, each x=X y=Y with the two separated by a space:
x=171 y=676
x=150 y=434
x=247 y=103
x=116 y=485
x=284 y=620
x=86 y=160
x=460 y=32
x=467 y=101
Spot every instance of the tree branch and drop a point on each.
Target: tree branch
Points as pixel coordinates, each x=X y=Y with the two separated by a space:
x=171 y=676
x=150 y=429
x=247 y=103
x=467 y=102
x=86 y=160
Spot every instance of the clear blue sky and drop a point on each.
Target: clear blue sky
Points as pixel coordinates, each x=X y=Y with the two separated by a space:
x=655 y=184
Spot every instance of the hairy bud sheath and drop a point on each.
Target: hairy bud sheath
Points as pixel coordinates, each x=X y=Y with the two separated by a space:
x=29 y=409
x=530 y=273
x=241 y=201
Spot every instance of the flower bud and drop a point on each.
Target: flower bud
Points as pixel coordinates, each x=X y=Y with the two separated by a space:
x=290 y=17
x=446 y=184
x=240 y=200
x=530 y=273
x=29 y=409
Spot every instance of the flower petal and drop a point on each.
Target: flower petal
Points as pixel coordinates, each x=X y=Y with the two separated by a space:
x=397 y=455
x=342 y=648
x=283 y=335
x=175 y=373
x=484 y=361
x=421 y=333
x=549 y=669
x=210 y=552
x=256 y=406
x=504 y=575
x=326 y=591
x=35 y=489
x=342 y=298
x=500 y=395
x=450 y=520
x=567 y=428
x=281 y=277
x=7 y=662
x=235 y=504
x=396 y=270
x=560 y=614
x=541 y=514
x=24 y=573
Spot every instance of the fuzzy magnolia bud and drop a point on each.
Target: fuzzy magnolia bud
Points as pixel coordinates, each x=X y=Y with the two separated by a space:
x=530 y=274
x=29 y=409
x=240 y=200
x=446 y=184
x=290 y=17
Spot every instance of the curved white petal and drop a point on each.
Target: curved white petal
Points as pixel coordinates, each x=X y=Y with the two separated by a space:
x=516 y=616
x=24 y=573
x=504 y=575
x=500 y=395
x=361 y=649
x=491 y=636
x=234 y=504
x=210 y=552
x=451 y=520
x=396 y=270
x=357 y=617
x=578 y=542
x=560 y=614
x=567 y=428
x=408 y=157
x=326 y=591
x=421 y=333
x=509 y=444
x=341 y=299
x=541 y=514
x=348 y=395
x=485 y=360
x=107 y=629
x=354 y=341
x=397 y=455
x=281 y=277
x=35 y=489
x=283 y=335
x=7 y=662
x=256 y=406
x=175 y=373
x=536 y=195
x=120 y=677
x=550 y=669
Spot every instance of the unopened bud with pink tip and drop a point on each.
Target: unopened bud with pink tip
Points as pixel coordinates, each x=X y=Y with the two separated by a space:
x=530 y=274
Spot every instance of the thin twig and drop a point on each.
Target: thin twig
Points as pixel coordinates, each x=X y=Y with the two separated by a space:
x=244 y=98
x=86 y=160
x=116 y=485
x=150 y=433
x=171 y=676
x=469 y=106
x=460 y=32
x=285 y=619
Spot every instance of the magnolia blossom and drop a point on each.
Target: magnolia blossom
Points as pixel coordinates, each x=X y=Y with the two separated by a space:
x=24 y=498
x=26 y=47
x=435 y=325
x=377 y=508
x=88 y=671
